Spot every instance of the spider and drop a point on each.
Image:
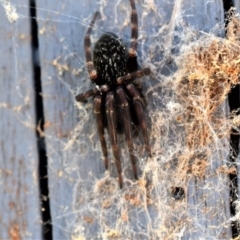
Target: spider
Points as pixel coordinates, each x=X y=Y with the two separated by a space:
x=118 y=102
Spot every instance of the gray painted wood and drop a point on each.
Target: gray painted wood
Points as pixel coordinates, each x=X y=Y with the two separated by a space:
x=236 y=4
x=85 y=200
x=19 y=202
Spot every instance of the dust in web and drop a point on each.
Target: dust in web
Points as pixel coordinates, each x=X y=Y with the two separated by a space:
x=10 y=11
x=197 y=124
x=186 y=113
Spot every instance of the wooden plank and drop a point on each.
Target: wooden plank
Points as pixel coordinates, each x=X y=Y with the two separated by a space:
x=68 y=149
x=208 y=195
x=206 y=211
x=19 y=214
x=85 y=201
x=237 y=205
x=236 y=4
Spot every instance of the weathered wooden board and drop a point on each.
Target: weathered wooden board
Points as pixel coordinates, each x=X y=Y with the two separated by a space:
x=207 y=209
x=208 y=198
x=85 y=201
x=19 y=191
x=236 y=4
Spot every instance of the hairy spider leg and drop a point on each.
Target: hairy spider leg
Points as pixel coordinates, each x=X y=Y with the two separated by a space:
x=97 y=108
x=133 y=75
x=138 y=105
x=127 y=123
x=111 y=120
x=82 y=97
x=134 y=37
x=88 y=52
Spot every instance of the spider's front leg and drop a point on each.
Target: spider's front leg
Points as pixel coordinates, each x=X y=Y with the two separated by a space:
x=88 y=52
x=82 y=97
x=134 y=37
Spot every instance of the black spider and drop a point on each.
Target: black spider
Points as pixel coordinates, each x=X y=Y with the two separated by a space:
x=118 y=101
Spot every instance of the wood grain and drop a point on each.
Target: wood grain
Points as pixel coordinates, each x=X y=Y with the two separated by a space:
x=19 y=214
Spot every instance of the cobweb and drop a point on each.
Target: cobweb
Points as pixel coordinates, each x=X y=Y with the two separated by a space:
x=193 y=72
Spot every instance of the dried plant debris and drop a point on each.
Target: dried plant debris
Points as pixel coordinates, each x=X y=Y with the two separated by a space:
x=196 y=125
x=208 y=70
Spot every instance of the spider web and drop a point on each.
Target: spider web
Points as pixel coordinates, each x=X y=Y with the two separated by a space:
x=187 y=116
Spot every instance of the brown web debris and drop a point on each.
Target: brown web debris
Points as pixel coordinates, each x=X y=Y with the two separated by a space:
x=208 y=71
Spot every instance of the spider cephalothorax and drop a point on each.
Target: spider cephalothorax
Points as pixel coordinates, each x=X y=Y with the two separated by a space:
x=118 y=102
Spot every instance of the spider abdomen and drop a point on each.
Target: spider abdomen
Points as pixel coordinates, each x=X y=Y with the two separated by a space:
x=110 y=59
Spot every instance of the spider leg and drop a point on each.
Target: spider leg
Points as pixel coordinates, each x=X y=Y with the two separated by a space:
x=87 y=45
x=82 y=97
x=97 y=106
x=138 y=105
x=126 y=118
x=111 y=120
x=131 y=76
x=134 y=20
